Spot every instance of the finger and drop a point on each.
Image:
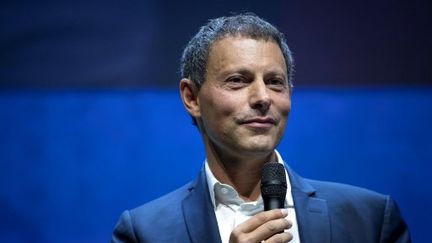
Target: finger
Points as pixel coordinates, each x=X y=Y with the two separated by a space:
x=271 y=228
x=260 y=219
x=280 y=238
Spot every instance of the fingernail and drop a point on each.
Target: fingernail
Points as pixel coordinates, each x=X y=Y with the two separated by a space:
x=284 y=212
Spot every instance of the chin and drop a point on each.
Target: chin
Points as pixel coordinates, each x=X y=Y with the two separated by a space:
x=262 y=147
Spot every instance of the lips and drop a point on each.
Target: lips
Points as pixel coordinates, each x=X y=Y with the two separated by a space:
x=259 y=122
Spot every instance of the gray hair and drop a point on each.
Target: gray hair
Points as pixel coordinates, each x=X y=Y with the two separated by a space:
x=194 y=59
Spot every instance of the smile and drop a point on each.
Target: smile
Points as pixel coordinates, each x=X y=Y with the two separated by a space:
x=259 y=123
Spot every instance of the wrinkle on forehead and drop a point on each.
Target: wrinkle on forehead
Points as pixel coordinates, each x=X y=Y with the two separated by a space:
x=243 y=54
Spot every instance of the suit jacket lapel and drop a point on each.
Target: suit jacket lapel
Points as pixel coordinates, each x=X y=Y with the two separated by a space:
x=199 y=213
x=311 y=211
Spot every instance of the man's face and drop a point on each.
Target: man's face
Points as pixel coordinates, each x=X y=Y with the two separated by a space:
x=245 y=99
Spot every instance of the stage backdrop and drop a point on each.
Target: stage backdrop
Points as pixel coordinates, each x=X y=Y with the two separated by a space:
x=72 y=161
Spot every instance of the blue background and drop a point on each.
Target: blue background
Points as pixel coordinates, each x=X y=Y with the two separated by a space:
x=73 y=161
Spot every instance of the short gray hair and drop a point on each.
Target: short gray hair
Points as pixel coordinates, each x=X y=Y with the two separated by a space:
x=195 y=55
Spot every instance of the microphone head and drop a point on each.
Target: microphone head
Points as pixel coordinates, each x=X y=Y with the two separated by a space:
x=273 y=181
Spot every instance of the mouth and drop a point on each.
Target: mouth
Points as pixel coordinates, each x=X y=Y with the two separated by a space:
x=259 y=122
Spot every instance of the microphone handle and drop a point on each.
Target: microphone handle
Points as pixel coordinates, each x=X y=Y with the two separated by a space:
x=273 y=203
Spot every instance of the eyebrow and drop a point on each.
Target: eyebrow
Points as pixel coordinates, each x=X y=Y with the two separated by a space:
x=246 y=71
x=277 y=73
x=236 y=70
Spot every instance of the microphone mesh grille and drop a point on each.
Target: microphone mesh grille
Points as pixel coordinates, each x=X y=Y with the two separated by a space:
x=273 y=180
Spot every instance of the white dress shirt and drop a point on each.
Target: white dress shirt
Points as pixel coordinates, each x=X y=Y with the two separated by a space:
x=231 y=210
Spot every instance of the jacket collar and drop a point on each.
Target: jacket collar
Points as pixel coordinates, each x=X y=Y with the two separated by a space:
x=311 y=211
x=199 y=214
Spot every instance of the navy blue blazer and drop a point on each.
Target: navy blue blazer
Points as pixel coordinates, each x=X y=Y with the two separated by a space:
x=326 y=212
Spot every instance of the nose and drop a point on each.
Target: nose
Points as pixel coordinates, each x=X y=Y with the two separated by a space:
x=259 y=97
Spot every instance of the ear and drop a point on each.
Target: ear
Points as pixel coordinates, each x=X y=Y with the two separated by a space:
x=189 y=96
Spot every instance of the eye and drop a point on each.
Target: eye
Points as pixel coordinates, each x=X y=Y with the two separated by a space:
x=277 y=84
x=237 y=81
x=276 y=81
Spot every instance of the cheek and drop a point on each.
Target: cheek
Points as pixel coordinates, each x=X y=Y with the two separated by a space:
x=283 y=105
x=287 y=109
x=217 y=115
x=219 y=105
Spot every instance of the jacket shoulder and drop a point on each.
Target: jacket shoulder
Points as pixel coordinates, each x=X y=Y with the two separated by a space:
x=167 y=202
x=350 y=199
x=363 y=210
x=333 y=190
x=150 y=221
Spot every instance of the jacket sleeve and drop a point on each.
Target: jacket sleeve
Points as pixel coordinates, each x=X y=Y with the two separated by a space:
x=123 y=231
x=394 y=229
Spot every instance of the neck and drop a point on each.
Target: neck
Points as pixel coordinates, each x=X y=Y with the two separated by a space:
x=241 y=172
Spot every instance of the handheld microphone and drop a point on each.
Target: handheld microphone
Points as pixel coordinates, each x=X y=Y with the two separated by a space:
x=273 y=185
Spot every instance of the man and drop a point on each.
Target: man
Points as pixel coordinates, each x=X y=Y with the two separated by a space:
x=236 y=84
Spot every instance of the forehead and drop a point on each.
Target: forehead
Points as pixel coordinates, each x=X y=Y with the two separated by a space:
x=231 y=52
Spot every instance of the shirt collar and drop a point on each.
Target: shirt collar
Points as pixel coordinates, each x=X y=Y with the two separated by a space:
x=231 y=195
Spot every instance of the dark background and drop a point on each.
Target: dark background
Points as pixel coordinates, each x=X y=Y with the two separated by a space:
x=100 y=44
x=91 y=122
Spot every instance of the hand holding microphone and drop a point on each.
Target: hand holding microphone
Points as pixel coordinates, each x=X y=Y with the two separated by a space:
x=269 y=225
